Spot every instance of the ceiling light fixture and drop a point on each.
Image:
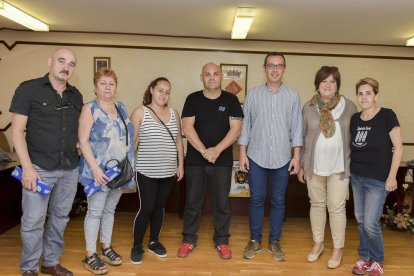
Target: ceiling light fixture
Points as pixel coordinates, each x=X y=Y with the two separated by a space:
x=242 y=22
x=22 y=18
x=410 y=42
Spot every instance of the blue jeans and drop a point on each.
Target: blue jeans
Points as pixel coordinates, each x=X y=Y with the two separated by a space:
x=39 y=240
x=369 y=198
x=278 y=181
x=100 y=216
x=217 y=180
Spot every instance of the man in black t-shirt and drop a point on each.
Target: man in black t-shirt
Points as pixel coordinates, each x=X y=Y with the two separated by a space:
x=48 y=109
x=211 y=120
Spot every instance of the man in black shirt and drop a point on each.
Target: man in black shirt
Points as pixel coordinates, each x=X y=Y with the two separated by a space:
x=211 y=122
x=48 y=109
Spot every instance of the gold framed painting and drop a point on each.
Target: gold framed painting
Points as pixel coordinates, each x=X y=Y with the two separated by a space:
x=99 y=62
x=235 y=79
x=239 y=182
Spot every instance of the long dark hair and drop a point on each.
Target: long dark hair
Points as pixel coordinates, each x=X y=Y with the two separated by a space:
x=147 y=99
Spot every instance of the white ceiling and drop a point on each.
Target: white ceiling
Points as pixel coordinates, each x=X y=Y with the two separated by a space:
x=389 y=22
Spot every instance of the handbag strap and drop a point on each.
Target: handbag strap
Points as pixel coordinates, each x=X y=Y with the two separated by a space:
x=122 y=118
x=110 y=160
x=172 y=137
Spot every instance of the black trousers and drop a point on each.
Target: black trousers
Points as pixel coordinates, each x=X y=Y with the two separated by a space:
x=153 y=194
x=218 y=181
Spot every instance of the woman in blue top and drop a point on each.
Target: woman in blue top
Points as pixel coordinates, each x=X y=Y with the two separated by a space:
x=375 y=158
x=102 y=137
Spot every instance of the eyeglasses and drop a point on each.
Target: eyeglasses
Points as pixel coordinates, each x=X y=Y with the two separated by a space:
x=272 y=66
x=63 y=106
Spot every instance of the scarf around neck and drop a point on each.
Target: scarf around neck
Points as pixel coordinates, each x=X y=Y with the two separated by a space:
x=326 y=121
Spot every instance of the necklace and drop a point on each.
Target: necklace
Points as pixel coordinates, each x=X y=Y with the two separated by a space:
x=111 y=110
x=108 y=107
x=366 y=115
x=160 y=113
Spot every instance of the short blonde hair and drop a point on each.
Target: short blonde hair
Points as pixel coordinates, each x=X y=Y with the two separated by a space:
x=370 y=81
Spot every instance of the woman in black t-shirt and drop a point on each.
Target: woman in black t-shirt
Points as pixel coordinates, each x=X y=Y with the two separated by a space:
x=376 y=155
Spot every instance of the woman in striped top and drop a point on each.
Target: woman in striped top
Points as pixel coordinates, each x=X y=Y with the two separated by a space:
x=158 y=164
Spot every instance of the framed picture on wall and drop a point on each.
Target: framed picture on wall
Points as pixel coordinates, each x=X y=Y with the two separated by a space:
x=235 y=79
x=239 y=182
x=99 y=62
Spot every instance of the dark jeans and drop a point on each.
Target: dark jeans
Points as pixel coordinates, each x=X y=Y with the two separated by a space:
x=278 y=181
x=153 y=194
x=217 y=180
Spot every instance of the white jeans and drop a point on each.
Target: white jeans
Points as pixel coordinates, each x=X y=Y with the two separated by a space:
x=101 y=210
x=328 y=192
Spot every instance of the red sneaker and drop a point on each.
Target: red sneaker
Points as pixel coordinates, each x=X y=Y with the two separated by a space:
x=224 y=251
x=376 y=269
x=361 y=267
x=185 y=250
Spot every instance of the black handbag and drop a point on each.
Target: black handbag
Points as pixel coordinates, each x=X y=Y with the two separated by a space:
x=124 y=177
x=124 y=165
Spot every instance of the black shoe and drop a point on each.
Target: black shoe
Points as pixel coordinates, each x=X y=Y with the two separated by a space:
x=136 y=255
x=157 y=248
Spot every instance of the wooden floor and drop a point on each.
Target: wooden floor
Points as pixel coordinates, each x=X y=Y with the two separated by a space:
x=296 y=242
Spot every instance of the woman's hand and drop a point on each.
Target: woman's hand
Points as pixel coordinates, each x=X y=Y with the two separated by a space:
x=99 y=176
x=301 y=175
x=180 y=173
x=391 y=184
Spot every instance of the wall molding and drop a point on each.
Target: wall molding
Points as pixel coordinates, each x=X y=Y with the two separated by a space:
x=216 y=38
x=117 y=46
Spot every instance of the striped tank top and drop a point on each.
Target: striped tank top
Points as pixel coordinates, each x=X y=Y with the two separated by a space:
x=157 y=152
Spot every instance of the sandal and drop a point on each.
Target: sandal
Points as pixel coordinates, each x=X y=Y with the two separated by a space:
x=95 y=265
x=111 y=257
